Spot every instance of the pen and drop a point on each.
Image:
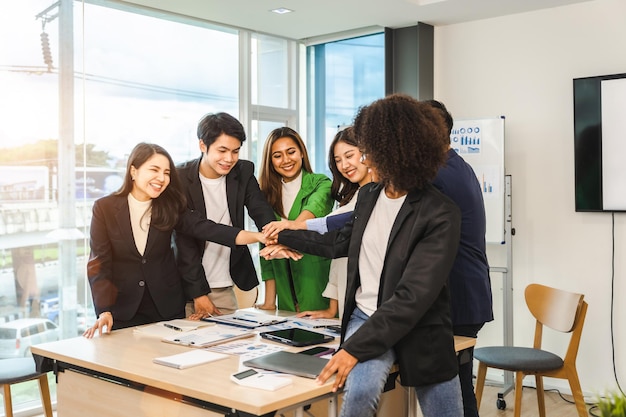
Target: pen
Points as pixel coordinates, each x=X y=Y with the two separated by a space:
x=243 y=319
x=170 y=326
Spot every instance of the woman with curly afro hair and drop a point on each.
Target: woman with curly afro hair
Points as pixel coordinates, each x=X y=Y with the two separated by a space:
x=401 y=243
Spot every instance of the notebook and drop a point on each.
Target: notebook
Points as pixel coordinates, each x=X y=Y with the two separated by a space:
x=208 y=336
x=289 y=363
x=188 y=359
x=249 y=320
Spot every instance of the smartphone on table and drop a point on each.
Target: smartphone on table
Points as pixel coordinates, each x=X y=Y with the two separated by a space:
x=318 y=351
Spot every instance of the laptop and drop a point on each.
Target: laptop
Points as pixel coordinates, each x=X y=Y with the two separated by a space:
x=289 y=363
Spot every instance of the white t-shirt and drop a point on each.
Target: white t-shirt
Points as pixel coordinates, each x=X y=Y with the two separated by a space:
x=290 y=191
x=139 y=223
x=216 y=258
x=373 y=250
x=337 y=276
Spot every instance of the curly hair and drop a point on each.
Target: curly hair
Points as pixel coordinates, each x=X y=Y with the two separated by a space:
x=404 y=140
x=342 y=189
x=167 y=207
x=270 y=180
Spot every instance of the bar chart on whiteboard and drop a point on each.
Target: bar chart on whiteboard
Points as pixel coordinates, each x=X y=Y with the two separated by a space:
x=480 y=142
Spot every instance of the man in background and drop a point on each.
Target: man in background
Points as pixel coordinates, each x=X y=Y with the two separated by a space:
x=469 y=282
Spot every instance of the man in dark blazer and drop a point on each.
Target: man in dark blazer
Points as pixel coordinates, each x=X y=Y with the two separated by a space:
x=228 y=184
x=470 y=284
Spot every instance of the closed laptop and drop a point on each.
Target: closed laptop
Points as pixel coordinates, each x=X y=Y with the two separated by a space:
x=289 y=363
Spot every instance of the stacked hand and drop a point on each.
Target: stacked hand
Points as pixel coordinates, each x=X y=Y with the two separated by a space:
x=274 y=250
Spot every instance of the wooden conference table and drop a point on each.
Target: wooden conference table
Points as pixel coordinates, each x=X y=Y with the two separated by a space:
x=114 y=376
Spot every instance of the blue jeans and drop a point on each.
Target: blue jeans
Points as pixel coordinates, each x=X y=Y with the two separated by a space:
x=441 y=400
x=366 y=382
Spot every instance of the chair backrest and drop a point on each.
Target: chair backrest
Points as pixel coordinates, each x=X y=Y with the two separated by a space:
x=557 y=309
x=560 y=310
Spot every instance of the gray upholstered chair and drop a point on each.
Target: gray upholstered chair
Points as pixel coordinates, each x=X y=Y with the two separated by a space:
x=13 y=371
x=559 y=310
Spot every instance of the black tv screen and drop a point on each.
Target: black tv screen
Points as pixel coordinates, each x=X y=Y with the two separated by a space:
x=600 y=143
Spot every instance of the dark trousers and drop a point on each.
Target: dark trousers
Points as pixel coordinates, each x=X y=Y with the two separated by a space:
x=466 y=364
x=146 y=313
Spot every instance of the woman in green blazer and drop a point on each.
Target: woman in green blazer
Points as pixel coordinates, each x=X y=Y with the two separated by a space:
x=295 y=193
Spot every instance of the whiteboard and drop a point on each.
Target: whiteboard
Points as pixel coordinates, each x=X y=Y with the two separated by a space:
x=480 y=142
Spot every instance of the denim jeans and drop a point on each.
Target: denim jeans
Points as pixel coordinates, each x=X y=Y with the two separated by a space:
x=441 y=400
x=366 y=382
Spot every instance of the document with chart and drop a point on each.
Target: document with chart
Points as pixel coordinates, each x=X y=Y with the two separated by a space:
x=208 y=336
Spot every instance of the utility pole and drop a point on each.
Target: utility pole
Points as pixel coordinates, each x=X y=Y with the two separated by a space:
x=68 y=291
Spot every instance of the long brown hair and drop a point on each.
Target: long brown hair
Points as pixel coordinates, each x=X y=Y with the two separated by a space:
x=269 y=179
x=342 y=189
x=167 y=207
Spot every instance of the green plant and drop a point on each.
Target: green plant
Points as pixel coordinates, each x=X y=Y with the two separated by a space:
x=612 y=404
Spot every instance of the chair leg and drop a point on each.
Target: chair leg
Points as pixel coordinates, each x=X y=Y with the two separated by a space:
x=480 y=383
x=541 y=401
x=44 y=388
x=519 y=378
x=8 y=404
x=577 y=392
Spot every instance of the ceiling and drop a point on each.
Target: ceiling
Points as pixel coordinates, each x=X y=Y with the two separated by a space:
x=321 y=18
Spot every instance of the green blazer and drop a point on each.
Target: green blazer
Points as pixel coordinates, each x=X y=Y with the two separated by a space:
x=310 y=274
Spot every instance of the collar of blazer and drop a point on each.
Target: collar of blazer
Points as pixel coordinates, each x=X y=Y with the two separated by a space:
x=191 y=179
x=122 y=217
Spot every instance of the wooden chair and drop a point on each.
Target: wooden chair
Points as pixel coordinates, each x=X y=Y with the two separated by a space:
x=14 y=371
x=559 y=310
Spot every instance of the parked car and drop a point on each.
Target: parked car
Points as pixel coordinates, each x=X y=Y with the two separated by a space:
x=85 y=318
x=17 y=336
x=49 y=308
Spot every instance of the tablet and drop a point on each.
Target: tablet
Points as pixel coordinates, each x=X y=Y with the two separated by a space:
x=297 y=337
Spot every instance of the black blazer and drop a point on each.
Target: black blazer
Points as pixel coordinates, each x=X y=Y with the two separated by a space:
x=413 y=314
x=242 y=190
x=119 y=274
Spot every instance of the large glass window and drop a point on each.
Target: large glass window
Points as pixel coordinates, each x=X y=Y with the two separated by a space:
x=133 y=76
x=342 y=76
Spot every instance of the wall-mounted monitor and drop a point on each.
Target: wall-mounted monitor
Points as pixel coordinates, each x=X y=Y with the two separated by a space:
x=600 y=143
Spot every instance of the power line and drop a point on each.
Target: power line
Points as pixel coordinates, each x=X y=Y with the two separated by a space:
x=38 y=70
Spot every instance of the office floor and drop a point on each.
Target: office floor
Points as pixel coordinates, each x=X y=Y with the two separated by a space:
x=555 y=405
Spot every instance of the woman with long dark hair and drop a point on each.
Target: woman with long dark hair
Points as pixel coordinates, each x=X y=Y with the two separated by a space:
x=295 y=193
x=132 y=270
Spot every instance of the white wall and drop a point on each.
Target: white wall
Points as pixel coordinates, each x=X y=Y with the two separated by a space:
x=522 y=67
